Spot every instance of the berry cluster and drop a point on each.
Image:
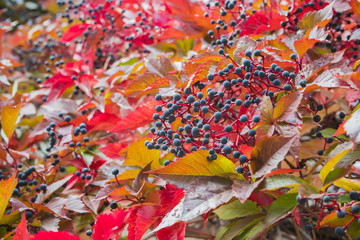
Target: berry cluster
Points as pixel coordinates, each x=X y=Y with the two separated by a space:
x=220 y=121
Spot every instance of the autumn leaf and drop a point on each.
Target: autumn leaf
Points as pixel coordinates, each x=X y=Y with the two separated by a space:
x=141 y=116
x=9 y=117
x=287 y=105
x=54 y=236
x=352 y=127
x=110 y=225
x=73 y=32
x=202 y=194
x=139 y=155
x=197 y=164
x=140 y=219
x=6 y=190
x=175 y=232
x=268 y=153
x=21 y=232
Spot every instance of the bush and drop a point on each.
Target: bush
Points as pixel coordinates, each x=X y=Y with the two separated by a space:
x=145 y=115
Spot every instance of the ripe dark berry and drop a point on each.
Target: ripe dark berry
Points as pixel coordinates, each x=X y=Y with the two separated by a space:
x=228 y=128
x=248 y=53
x=287 y=87
x=227 y=149
x=354 y=195
x=239 y=170
x=319 y=107
x=342 y=115
x=113 y=205
x=256 y=119
x=43 y=187
x=86 y=139
x=67 y=118
x=326 y=199
x=28 y=214
x=303 y=83
x=320 y=152
x=276 y=82
x=158 y=97
x=316 y=118
x=339 y=231
x=243 y=159
x=257 y=53
x=329 y=140
x=341 y=214
x=355 y=209
x=115 y=171
x=167 y=162
x=252 y=133
x=285 y=74
x=293 y=56
x=89 y=232
x=243 y=118
x=300 y=200
x=88 y=177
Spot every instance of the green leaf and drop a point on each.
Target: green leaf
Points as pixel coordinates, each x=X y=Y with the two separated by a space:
x=280 y=207
x=239 y=226
x=236 y=209
x=328 y=132
x=336 y=174
x=280 y=181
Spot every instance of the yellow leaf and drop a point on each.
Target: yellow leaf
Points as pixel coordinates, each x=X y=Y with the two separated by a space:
x=331 y=164
x=197 y=164
x=6 y=190
x=9 y=116
x=139 y=155
x=348 y=184
x=129 y=174
x=332 y=220
x=356 y=65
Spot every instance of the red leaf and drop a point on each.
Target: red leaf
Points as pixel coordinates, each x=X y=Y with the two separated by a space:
x=103 y=121
x=170 y=197
x=54 y=236
x=58 y=83
x=73 y=32
x=140 y=220
x=138 y=118
x=21 y=232
x=110 y=225
x=259 y=23
x=174 y=232
x=261 y=198
x=112 y=150
x=97 y=164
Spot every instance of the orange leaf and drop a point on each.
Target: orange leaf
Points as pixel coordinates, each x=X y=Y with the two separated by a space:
x=268 y=153
x=355 y=4
x=9 y=116
x=6 y=190
x=197 y=164
x=332 y=220
x=303 y=45
x=287 y=105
